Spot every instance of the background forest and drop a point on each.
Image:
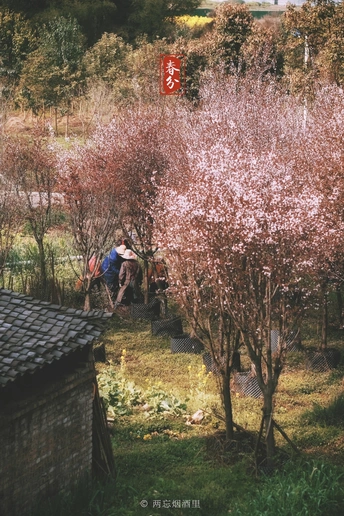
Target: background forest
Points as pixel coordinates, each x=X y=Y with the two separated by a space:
x=87 y=59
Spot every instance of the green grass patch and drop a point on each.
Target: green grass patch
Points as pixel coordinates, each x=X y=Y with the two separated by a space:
x=304 y=489
x=331 y=415
x=175 y=468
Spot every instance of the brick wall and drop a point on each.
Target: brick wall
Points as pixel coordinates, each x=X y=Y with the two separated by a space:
x=46 y=441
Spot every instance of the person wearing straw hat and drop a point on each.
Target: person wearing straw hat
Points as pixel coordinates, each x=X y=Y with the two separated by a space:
x=130 y=279
x=110 y=268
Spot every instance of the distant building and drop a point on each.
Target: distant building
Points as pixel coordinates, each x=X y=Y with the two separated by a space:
x=48 y=400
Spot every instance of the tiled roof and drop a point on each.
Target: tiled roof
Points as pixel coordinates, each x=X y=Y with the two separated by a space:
x=35 y=333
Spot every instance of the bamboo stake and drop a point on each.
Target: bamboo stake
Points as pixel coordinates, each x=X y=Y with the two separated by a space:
x=282 y=432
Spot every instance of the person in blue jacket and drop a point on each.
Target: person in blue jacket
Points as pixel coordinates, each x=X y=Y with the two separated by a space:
x=110 y=268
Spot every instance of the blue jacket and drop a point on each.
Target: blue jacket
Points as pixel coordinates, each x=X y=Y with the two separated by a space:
x=111 y=266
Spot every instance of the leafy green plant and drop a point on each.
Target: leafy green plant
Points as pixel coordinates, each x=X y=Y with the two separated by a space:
x=121 y=395
x=160 y=402
x=23 y=257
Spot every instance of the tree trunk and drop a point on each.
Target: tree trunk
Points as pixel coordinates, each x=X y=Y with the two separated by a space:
x=340 y=306
x=43 y=268
x=87 y=302
x=55 y=115
x=67 y=125
x=145 y=282
x=227 y=404
x=324 y=322
x=269 y=428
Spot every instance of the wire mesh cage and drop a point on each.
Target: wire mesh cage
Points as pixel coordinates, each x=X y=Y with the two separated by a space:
x=170 y=327
x=210 y=365
x=274 y=340
x=323 y=360
x=292 y=341
x=246 y=383
x=184 y=343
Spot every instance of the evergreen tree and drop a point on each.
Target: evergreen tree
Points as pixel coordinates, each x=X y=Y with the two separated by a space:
x=313 y=44
x=150 y=17
x=233 y=25
x=52 y=75
x=17 y=40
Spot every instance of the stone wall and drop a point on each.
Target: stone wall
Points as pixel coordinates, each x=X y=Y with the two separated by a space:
x=46 y=440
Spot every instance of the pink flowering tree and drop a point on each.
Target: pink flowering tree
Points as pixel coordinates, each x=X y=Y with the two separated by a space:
x=110 y=185
x=89 y=188
x=197 y=288
x=243 y=231
x=137 y=151
x=322 y=153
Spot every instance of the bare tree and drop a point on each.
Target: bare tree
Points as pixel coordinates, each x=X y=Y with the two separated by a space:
x=29 y=167
x=10 y=220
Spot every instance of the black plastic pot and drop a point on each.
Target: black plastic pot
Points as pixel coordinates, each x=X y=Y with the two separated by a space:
x=185 y=344
x=246 y=384
x=170 y=327
x=142 y=311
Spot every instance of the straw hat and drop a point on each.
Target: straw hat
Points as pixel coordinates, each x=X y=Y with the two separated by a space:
x=129 y=255
x=121 y=249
